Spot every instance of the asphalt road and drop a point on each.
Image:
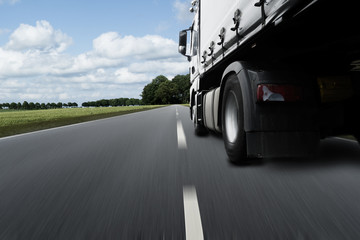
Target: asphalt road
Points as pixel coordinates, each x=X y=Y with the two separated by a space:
x=147 y=176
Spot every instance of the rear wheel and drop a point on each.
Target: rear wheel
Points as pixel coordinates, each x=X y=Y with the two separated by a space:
x=233 y=121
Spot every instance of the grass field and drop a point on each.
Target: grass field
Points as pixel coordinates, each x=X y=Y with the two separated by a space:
x=16 y=122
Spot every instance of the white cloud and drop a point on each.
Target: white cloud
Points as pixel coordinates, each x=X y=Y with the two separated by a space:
x=183 y=13
x=112 y=45
x=41 y=37
x=123 y=75
x=34 y=65
x=161 y=67
x=29 y=96
x=86 y=62
x=64 y=96
x=12 y=84
x=10 y=62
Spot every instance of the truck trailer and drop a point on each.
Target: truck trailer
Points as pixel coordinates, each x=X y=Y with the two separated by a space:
x=273 y=76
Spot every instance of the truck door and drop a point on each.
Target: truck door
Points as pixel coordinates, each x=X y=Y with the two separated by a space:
x=194 y=50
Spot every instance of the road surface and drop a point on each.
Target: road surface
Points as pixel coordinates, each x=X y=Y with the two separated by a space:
x=147 y=176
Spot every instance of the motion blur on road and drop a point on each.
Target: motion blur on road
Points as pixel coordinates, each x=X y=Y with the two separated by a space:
x=130 y=177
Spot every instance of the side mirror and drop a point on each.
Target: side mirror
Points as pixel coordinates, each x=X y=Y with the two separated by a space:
x=182 y=42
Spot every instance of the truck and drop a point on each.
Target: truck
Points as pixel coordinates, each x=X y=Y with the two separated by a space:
x=273 y=77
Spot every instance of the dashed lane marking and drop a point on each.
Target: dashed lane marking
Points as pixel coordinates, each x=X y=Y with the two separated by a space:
x=193 y=226
x=181 y=136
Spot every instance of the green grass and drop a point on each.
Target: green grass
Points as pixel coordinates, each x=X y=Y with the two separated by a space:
x=16 y=122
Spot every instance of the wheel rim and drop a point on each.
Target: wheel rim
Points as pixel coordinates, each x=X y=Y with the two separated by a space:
x=231 y=117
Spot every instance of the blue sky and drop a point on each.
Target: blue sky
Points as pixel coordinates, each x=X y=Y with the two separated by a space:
x=63 y=50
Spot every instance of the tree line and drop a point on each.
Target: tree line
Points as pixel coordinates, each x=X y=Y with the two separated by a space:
x=113 y=102
x=161 y=90
x=99 y=103
x=36 y=106
x=164 y=91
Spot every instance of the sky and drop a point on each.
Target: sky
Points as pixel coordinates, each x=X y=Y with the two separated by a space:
x=86 y=50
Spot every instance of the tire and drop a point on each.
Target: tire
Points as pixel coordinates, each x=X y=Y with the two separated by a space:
x=233 y=121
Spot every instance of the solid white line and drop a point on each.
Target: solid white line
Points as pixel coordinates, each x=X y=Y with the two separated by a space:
x=193 y=226
x=181 y=136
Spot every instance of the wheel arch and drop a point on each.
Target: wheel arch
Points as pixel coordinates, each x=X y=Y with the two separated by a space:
x=238 y=69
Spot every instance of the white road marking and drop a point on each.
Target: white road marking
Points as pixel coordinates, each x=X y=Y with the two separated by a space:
x=177 y=113
x=181 y=136
x=193 y=226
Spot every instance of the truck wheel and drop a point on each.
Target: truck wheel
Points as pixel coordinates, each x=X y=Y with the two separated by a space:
x=233 y=121
x=200 y=130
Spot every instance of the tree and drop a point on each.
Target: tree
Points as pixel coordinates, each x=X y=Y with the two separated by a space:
x=136 y=102
x=113 y=102
x=163 y=91
x=13 y=105
x=183 y=87
x=31 y=106
x=132 y=101
x=121 y=102
x=59 y=105
x=37 y=105
x=53 y=105
x=25 y=105
x=148 y=94
x=166 y=92
x=126 y=102
x=104 y=103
